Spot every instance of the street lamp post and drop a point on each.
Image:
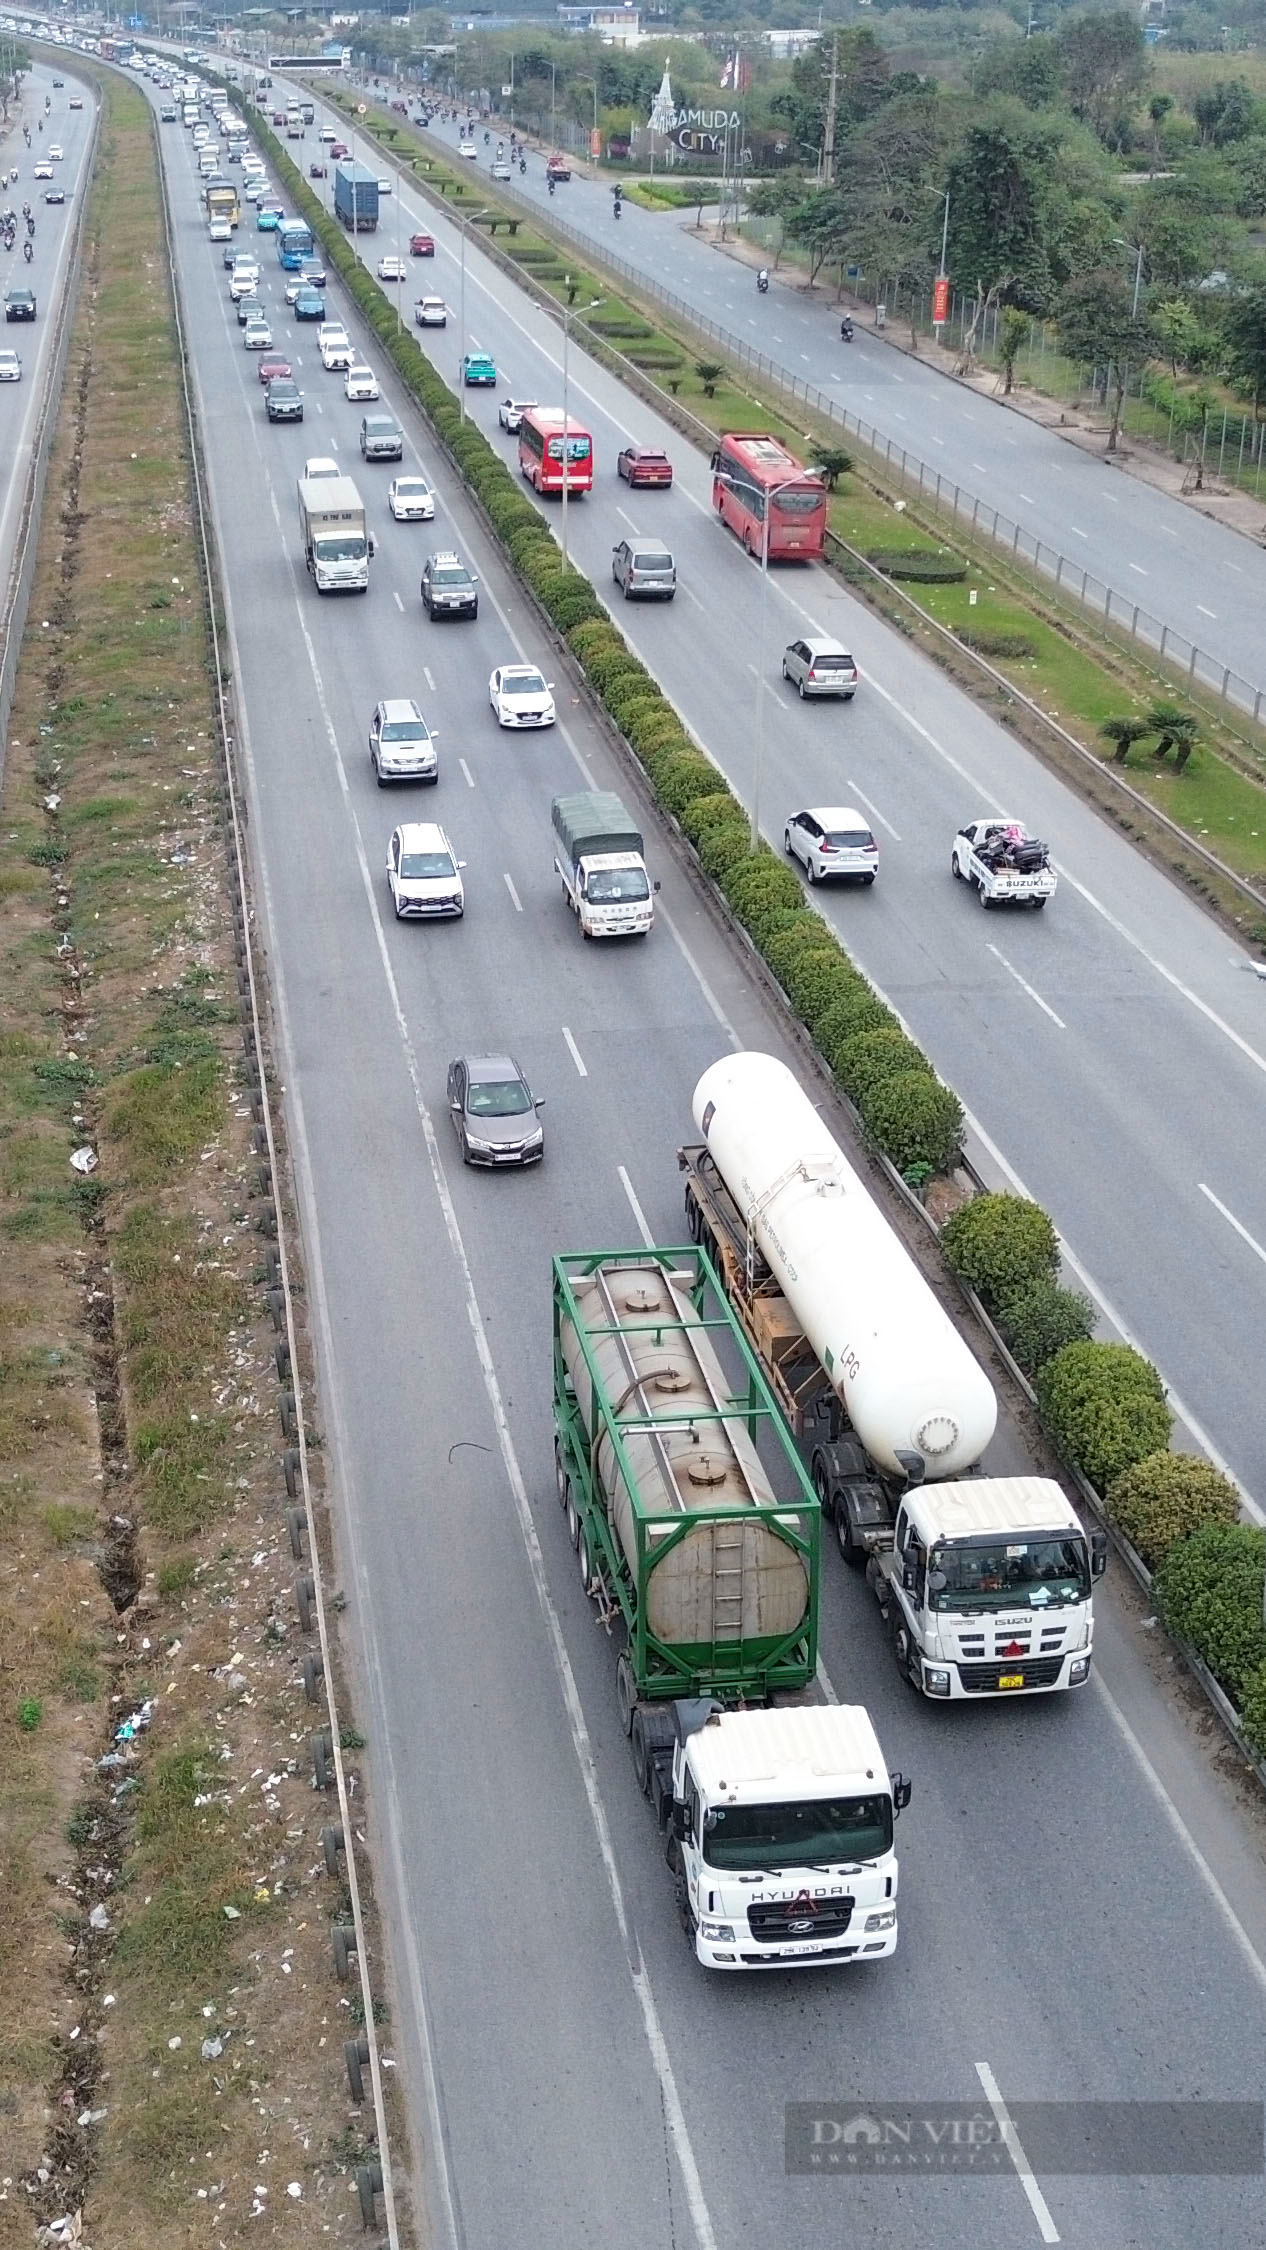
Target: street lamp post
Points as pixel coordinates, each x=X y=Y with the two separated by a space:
x=461 y=326
x=1120 y=243
x=567 y=320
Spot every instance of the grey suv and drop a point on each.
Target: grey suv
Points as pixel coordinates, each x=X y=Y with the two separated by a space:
x=645 y=569
x=381 y=438
x=820 y=668
x=448 y=588
x=401 y=745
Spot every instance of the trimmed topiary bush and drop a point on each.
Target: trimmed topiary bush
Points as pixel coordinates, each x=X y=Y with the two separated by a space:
x=686 y=775
x=590 y=642
x=761 y=890
x=1208 y=1591
x=916 y=1121
x=855 y=1009
x=1167 y=1497
x=814 y=979
x=1038 y=1321
x=721 y=849
x=1253 y=1709
x=999 y=1245
x=920 y=565
x=1104 y=1405
x=802 y=933
x=865 y=1060
x=718 y=809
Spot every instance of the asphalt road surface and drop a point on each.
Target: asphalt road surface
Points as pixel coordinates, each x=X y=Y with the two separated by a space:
x=1199 y=578
x=1080 y=1921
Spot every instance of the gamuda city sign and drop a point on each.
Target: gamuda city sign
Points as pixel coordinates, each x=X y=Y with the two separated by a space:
x=698 y=132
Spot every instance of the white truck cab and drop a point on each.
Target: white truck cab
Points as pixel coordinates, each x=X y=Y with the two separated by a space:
x=781 y=1835
x=987 y=1588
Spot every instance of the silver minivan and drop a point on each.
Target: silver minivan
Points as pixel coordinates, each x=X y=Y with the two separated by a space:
x=820 y=668
x=644 y=569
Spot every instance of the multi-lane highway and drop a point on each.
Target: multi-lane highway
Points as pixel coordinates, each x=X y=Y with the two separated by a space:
x=1113 y=1051
x=1079 y=1921
x=1202 y=580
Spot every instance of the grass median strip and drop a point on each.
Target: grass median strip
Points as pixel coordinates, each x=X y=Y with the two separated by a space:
x=165 y=1979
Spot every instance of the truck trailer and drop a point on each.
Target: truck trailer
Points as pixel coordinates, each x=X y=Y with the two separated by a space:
x=356 y=197
x=336 y=542
x=985 y=1582
x=697 y=1535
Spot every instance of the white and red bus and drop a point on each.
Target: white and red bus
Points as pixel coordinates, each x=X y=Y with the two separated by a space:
x=541 y=445
x=754 y=475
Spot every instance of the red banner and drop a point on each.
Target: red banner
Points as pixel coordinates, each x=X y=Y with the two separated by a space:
x=941 y=301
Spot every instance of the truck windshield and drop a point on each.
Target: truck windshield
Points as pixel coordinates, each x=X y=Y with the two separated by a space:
x=1045 y=1573
x=347 y=546
x=612 y=886
x=820 y=1833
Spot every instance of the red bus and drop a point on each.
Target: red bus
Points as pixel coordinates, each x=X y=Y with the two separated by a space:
x=541 y=438
x=752 y=473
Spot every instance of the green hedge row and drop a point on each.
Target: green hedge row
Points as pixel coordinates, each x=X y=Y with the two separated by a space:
x=918 y=564
x=1103 y=1403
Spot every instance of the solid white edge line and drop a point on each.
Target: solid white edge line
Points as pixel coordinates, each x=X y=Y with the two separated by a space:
x=1232 y=1221
x=1011 y=2139
x=574 y=1051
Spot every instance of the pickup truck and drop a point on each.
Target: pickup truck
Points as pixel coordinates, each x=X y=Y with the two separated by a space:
x=19 y=304
x=598 y=858
x=1004 y=864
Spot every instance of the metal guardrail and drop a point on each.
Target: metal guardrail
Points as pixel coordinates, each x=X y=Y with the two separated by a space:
x=977 y=515
x=17 y=593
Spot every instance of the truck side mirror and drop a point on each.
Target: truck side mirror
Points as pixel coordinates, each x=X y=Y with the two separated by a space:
x=371 y=544
x=680 y=1821
x=655 y=885
x=1098 y=1553
x=901 y=1793
x=909 y=1577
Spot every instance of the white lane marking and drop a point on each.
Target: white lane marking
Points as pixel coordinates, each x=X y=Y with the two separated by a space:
x=470 y=779
x=626 y=518
x=1110 y=1313
x=426 y=674
x=396 y=599
x=1236 y=567
x=691 y=596
x=1139 y=568
x=936 y=440
x=1232 y=1221
x=981 y=466
x=1170 y=533
x=1077 y=532
x=1028 y=497
x=1036 y=2200
x=636 y=1208
x=574 y=1051
x=662 y=914
x=1207 y=612
x=581 y=1741
x=1025 y=986
x=518 y=903
x=276 y=510
x=1252 y=1958
x=873 y=809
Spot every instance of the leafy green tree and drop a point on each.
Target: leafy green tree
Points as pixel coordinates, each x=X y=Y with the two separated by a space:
x=1158 y=110
x=1027 y=68
x=1183 y=226
x=1025 y=207
x=776 y=198
x=861 y=87
x=1123 y=734
x=1012 y=337
x=1103 y=62
x=1225 y=112
x=1097 y=323
x=888 y=193
x=1178 y=330
x=818 y=226
x=1244 y=334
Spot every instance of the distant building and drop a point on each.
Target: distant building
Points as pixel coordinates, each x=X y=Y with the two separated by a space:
x=620 y=26
x=784 y=46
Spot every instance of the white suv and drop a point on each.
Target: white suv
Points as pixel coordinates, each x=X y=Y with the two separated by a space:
x=335 y=346
x=423 y=875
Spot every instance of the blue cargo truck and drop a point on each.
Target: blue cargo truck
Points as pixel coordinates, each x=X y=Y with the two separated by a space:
x=356 y=197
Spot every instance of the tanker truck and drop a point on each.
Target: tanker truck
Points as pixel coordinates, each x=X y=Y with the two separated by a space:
x=984 y=1582
x=697 y=1535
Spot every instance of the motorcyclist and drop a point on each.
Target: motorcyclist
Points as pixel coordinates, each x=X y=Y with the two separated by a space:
x=762 y=280
x=846 y=330
x=27 y=252
x=551 y=183
x=523 y=163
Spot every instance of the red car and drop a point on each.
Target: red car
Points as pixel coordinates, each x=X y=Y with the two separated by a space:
x=421 y=246
x=644 y=464
x=272 y=364
x=338 y=148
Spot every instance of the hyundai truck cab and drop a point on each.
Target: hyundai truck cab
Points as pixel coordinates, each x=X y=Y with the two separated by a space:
x=781 y=1835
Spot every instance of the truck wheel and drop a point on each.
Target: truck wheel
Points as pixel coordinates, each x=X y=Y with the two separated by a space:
x=985 y=899
x=588 y=1577
x=625 y=1692
x=1038 y=904
x=560 y=1475
x=955 y=870
x=641 y=1755
x=573 y=1518
x=854 y=1555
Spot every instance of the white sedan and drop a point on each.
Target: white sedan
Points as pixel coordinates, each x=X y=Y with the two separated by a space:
x=411 y=500
x=43 y=171
x=361 y=383
x=521 y=697
x=220 y=230
x=10 y=367
x=391 y=269
x=57 y=153
x=511 y=411
x=467 y=148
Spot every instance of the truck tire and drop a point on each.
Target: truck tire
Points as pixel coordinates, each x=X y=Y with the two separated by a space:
x=1038 y=904
x=588 y=1575
x=560 y=1475
x=985 y=899
x=573 y=1517
x=641 y=1755
x=955 y=870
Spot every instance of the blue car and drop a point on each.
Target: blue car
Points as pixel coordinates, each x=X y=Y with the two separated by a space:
x=309 y=305
x=478 y=370
x=267 y=220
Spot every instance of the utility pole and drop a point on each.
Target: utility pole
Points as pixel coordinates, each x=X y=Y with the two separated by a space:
x=828 y=140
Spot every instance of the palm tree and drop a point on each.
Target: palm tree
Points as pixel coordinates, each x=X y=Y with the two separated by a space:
x=833 y=462
x=1124 y=733
x=1175 y=730
x=709 y=372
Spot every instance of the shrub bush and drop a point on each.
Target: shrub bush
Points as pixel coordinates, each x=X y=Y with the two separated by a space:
x=1105 y=1407
x=1208 y=1591
x=761 y=890
x=683 y=776
x=855 y=1008
x=917 y=1122
x=802 y=933
x=637 y=700
x=1253 y=1709
x=656 y=735
x=865 y=1060
x=1167 y=1497
x=595 y=639
x=1012 y=645
x=814 y=979
x=999 y=1245
x=919 y=565
x=1040 y=1319
x=716 y=809
x=721 y=849
x=569 y=599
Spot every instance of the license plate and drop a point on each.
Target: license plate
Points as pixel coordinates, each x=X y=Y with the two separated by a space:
x=1010 y=1679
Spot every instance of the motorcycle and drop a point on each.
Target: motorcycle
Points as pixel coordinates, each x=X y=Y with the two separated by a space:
x=13 y=177
x=551 y=183
x=762 y=282
x=30 y=229
x=27 y=252
x=846 y=331
x=618 y=208
x=523 y=163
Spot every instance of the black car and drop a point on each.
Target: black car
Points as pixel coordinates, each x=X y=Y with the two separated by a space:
x=283 y=400
x=494 y=1111
x=19 y=304
x=448 y=588
x=54 y=195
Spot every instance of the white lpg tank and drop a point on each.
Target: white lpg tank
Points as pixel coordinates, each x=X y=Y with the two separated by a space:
x=907 y=1380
